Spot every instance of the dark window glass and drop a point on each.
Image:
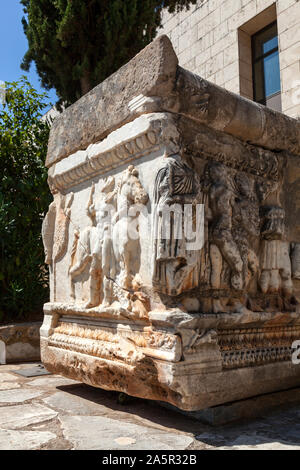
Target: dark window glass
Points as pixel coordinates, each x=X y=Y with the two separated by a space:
x=272 y=75
x=270 y=45
x=259 y=82
x=265 y=40
x=266 y=70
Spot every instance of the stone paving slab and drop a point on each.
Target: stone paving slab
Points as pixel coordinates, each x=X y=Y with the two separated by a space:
x=68 y=403
x=9 y=385
x=16 y=417
x=18 y=396
x=52 y=381
x=83 y=432
x=52 y=412
x=247 y=441
x=23 y=440
x=259 y=444
x=6 y=377
x=10 y=367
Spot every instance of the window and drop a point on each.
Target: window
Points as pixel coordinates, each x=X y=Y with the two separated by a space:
x=266 y=70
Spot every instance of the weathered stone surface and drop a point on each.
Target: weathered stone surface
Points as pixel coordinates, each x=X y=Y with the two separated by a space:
x=196 y=309
x=259 y=443
x=180 y=384
x=9 y=367
x=151 y=73
x=116 y=435
x=20 y=342
x=73 y=404
x=6 y=377
x=235 y=115
x=276 y=429
x=23 y=440
x=8 y=385
x=12 y=417
x=254 y=407
x=18 y=396
x=151 y=82
x=248 y=441
x=51 y=382
x=2 y=352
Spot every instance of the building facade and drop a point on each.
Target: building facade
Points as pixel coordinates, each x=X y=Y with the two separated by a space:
x=250 y=47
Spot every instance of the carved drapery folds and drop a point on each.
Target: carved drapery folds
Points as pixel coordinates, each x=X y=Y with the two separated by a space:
x=245 y=253
x=276 y=275
x=175 y=266
x=296 y=260
x=245 y=259
x=55 y=228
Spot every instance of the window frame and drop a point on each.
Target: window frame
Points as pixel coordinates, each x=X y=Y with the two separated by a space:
x=260 y=58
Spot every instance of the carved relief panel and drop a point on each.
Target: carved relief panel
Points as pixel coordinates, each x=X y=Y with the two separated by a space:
x=104 y=249
x=246 y=261
x=173 y=239
x=231 y=204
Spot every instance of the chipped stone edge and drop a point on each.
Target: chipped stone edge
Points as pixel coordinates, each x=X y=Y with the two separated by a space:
x=146 y=134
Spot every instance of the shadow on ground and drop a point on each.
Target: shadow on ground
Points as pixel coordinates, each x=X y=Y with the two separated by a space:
x=276 y=430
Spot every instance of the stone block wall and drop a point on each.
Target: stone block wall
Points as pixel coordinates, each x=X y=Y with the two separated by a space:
x=213 y=40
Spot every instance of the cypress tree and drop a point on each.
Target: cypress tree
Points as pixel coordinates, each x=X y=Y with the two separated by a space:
x=76 y=44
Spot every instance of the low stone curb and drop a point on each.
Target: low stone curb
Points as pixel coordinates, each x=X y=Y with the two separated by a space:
x=20 y=342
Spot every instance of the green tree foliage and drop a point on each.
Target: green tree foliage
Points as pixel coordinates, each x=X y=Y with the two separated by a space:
x=76 y=44
x=24 y=198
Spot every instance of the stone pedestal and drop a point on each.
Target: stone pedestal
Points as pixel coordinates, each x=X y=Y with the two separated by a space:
x=173 y=239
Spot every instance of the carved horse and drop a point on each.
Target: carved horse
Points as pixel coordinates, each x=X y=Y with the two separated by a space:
x=92 y=247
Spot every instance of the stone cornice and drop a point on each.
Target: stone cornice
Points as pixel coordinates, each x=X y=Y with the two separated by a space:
x=132 y=141
x=153 y=82
x=105 y=108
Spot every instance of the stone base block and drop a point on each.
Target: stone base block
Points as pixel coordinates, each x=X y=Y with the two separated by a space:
x=180 y=359
x=251 y=408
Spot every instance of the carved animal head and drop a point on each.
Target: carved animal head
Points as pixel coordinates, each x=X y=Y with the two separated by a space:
x=131 y=187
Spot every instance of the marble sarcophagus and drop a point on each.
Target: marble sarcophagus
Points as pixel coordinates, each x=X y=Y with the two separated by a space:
x=173 y=239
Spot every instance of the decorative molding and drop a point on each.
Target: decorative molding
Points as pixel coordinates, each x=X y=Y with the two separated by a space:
x=113 y=314
x=108 y=342
x=144 y=104
x=255 y=357
x=103 y=162
x=213 y=145
x=262 y=163
x=134 y=140
x=100 y=349
x=256 y=346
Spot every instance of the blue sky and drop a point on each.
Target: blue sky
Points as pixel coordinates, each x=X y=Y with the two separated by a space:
x=13 y=45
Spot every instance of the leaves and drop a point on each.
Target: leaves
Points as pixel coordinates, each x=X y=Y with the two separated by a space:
x=24 y=198
x=76 y=44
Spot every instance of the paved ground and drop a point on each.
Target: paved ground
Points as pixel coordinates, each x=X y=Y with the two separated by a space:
x=51 y=412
